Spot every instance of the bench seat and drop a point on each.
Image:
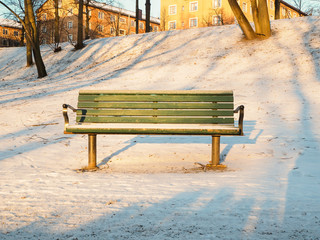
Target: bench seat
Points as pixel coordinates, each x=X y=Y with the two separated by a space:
x=142 y=128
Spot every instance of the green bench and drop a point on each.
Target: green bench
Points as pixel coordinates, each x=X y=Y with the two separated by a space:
x=155 y=112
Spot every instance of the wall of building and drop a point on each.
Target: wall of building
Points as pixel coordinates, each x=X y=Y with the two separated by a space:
x=10 y=36
x=182 y=14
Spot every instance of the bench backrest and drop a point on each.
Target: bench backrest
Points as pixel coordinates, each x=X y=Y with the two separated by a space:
x=180 y=107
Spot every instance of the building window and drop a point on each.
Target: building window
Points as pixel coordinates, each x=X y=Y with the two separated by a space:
x=193 y=22
x=123 y=20
x=216 y=3
x=5 y=31
x=182 y=24
x=112 y=18
x=44 y=17
x=70 y=25
x=155 y=29
x=43 y=41
x=5 y=42
x=216 y=20
x=100 y=15
x=193 y=6
x=271 y=4
x=283 y=11
x=100 y=28
x=111 y=30
x=141 y=25
x=244 y=7
x=172 y=25
x=182 y=9
x=122 y=32
x=133 y=23
x=16 y=33
x=172 y=9
x=44 y=29
x=70 y=37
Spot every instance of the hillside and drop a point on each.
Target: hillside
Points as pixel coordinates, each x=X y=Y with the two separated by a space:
x=148 y=186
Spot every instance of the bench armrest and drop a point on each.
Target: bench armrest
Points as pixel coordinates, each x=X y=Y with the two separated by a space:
x=65 y=114
x=240 y=122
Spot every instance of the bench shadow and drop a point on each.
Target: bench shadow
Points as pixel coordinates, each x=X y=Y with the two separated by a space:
x=249 y=127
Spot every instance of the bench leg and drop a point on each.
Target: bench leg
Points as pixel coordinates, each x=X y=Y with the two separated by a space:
x=92 y=151
x=215 y=155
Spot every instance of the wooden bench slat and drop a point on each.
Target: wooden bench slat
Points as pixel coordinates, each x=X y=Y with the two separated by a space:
x=155 y=131
x=194 y=105
x=157 y=98
x=119 y=112
x=177 y=120
x=168 y=92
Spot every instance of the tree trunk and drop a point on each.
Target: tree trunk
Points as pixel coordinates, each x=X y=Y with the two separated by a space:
x=264 y=20
x=29 y=53
x=35 y=40
x=255 y=15
x=277 y=9
x=137 y=16
x=86 y=30
x=56 y=26
x=79 y=44
x=148 y=15
x=242 y=20
x=28 y=43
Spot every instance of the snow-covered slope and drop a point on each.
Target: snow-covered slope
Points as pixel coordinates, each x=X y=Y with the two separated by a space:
x=148 y=186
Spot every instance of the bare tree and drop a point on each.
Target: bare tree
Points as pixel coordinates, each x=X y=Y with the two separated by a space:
x=148 y=5
x=32 y=34
x=260 y=18
x=79 y=44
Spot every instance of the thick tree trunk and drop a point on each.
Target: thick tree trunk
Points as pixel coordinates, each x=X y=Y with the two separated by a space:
x=56 y=26
x=29 y=53
x=35 y=40
x=255 y=16
x=264 y=20
x=86 y=30
x=137 y=16
x=79 y=44
x=242 y=20
x=277 y=9
x=28 y=43
x=148 y=15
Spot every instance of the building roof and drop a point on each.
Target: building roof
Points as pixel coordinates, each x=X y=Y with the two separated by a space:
x=10 y=23
x=294 y=8
x=122 y=11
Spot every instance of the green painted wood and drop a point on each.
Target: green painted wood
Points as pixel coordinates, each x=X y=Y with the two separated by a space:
x=119 y=112
x=175 y=120
x=181 y=105
x=157 y=98
x=134 y=92
x=155 y=131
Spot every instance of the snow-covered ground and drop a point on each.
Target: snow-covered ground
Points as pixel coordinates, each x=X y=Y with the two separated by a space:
x=148 y=186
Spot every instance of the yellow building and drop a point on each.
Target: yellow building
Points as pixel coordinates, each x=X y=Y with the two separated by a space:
x=10 y=33
x=104 y=21
x=184 y=14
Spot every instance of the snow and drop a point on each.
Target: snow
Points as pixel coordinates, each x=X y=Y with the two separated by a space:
x=148 y=187
x=10 y=23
